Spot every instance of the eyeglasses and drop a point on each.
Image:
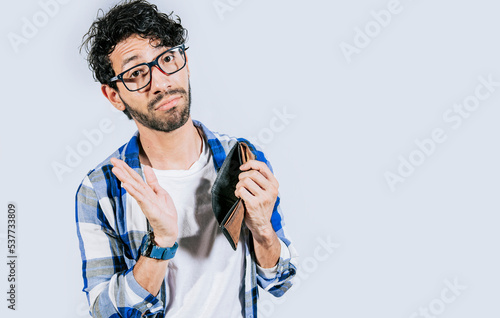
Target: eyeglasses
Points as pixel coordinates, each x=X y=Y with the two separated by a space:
x=139 y=76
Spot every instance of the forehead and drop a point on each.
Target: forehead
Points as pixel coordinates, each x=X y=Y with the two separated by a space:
x=132 y=50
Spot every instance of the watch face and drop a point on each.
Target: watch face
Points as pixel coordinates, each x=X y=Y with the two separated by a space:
x=146 y=245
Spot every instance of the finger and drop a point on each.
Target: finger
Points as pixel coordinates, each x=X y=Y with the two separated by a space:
x=126 y=180
x=257 y=177
x=141 y=190
x=138 y=196
x=150 y=175
x=128 y=170
x=121 y=168
x=121 y=175
x=245 y=195
x=144 y=202
x=262 y=168
x=151 y=180
x=251 y=186
x=256 y=165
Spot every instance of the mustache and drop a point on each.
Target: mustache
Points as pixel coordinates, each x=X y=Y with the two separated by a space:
x=160 y=97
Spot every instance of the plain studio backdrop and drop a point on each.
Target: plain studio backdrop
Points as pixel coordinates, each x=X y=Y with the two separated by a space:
x=380 y=119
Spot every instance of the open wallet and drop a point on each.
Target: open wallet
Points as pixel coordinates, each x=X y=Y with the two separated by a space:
x=229 y=210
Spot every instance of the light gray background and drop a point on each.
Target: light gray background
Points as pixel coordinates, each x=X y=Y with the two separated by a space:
x=394 y=251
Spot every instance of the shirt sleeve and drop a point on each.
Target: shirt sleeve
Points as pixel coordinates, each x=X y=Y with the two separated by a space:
x=270 y=273
x=109 y=284
x=287 y=265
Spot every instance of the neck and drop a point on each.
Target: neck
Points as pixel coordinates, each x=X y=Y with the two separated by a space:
x=174 y=150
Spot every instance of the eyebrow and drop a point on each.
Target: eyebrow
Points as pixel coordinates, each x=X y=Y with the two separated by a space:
x=128 y=60
x=135 y=57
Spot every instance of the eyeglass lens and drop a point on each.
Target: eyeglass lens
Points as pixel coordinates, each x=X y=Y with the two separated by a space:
x=139 y=77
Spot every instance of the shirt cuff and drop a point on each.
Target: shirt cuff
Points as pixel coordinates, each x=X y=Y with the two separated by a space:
x=270 y=273
x=145 y=302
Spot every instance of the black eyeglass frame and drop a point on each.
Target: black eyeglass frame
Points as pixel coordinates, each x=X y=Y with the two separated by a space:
x=150 y=65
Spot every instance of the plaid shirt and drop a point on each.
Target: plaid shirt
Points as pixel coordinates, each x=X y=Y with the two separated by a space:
x=110 y=247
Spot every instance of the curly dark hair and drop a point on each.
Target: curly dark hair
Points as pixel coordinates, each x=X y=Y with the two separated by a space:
x=123 y=20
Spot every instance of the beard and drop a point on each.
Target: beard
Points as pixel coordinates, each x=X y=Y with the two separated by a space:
x=177 y=116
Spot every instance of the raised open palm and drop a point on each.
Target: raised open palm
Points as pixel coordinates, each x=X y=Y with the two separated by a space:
x=154 y=201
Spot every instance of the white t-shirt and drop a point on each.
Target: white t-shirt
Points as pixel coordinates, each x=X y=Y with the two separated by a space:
x=206 y=274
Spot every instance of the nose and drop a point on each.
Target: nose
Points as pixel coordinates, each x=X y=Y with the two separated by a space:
x=160 y=81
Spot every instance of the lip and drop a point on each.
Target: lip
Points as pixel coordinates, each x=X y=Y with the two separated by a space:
x=169 y=103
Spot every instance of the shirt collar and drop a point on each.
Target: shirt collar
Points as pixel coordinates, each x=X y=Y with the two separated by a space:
x=131 y=151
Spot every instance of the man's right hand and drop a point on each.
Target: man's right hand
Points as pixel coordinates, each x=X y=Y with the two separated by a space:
x=154 y=201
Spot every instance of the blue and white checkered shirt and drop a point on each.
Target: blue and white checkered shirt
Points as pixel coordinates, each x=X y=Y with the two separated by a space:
x=110 y=247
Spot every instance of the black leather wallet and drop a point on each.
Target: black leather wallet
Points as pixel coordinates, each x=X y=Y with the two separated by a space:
x=229 y=210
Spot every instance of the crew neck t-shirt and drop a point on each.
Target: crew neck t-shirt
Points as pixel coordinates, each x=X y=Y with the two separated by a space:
x=205 y=276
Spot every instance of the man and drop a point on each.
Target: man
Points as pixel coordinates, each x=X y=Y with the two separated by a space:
x=149 y=240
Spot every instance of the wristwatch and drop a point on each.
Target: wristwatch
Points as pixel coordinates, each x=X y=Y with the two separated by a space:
x=151 y=250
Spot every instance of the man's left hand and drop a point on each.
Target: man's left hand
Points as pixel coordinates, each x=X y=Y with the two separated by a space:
x=258 y=188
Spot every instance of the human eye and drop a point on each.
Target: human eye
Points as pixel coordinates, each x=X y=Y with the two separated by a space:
x=137 y=72
x=169 y=57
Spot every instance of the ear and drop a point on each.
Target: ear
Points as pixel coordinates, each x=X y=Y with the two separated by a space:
x=112 y=95
x=187 y=65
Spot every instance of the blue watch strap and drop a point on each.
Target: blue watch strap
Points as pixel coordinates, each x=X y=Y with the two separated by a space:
x=163 y=253
x=149 y=248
